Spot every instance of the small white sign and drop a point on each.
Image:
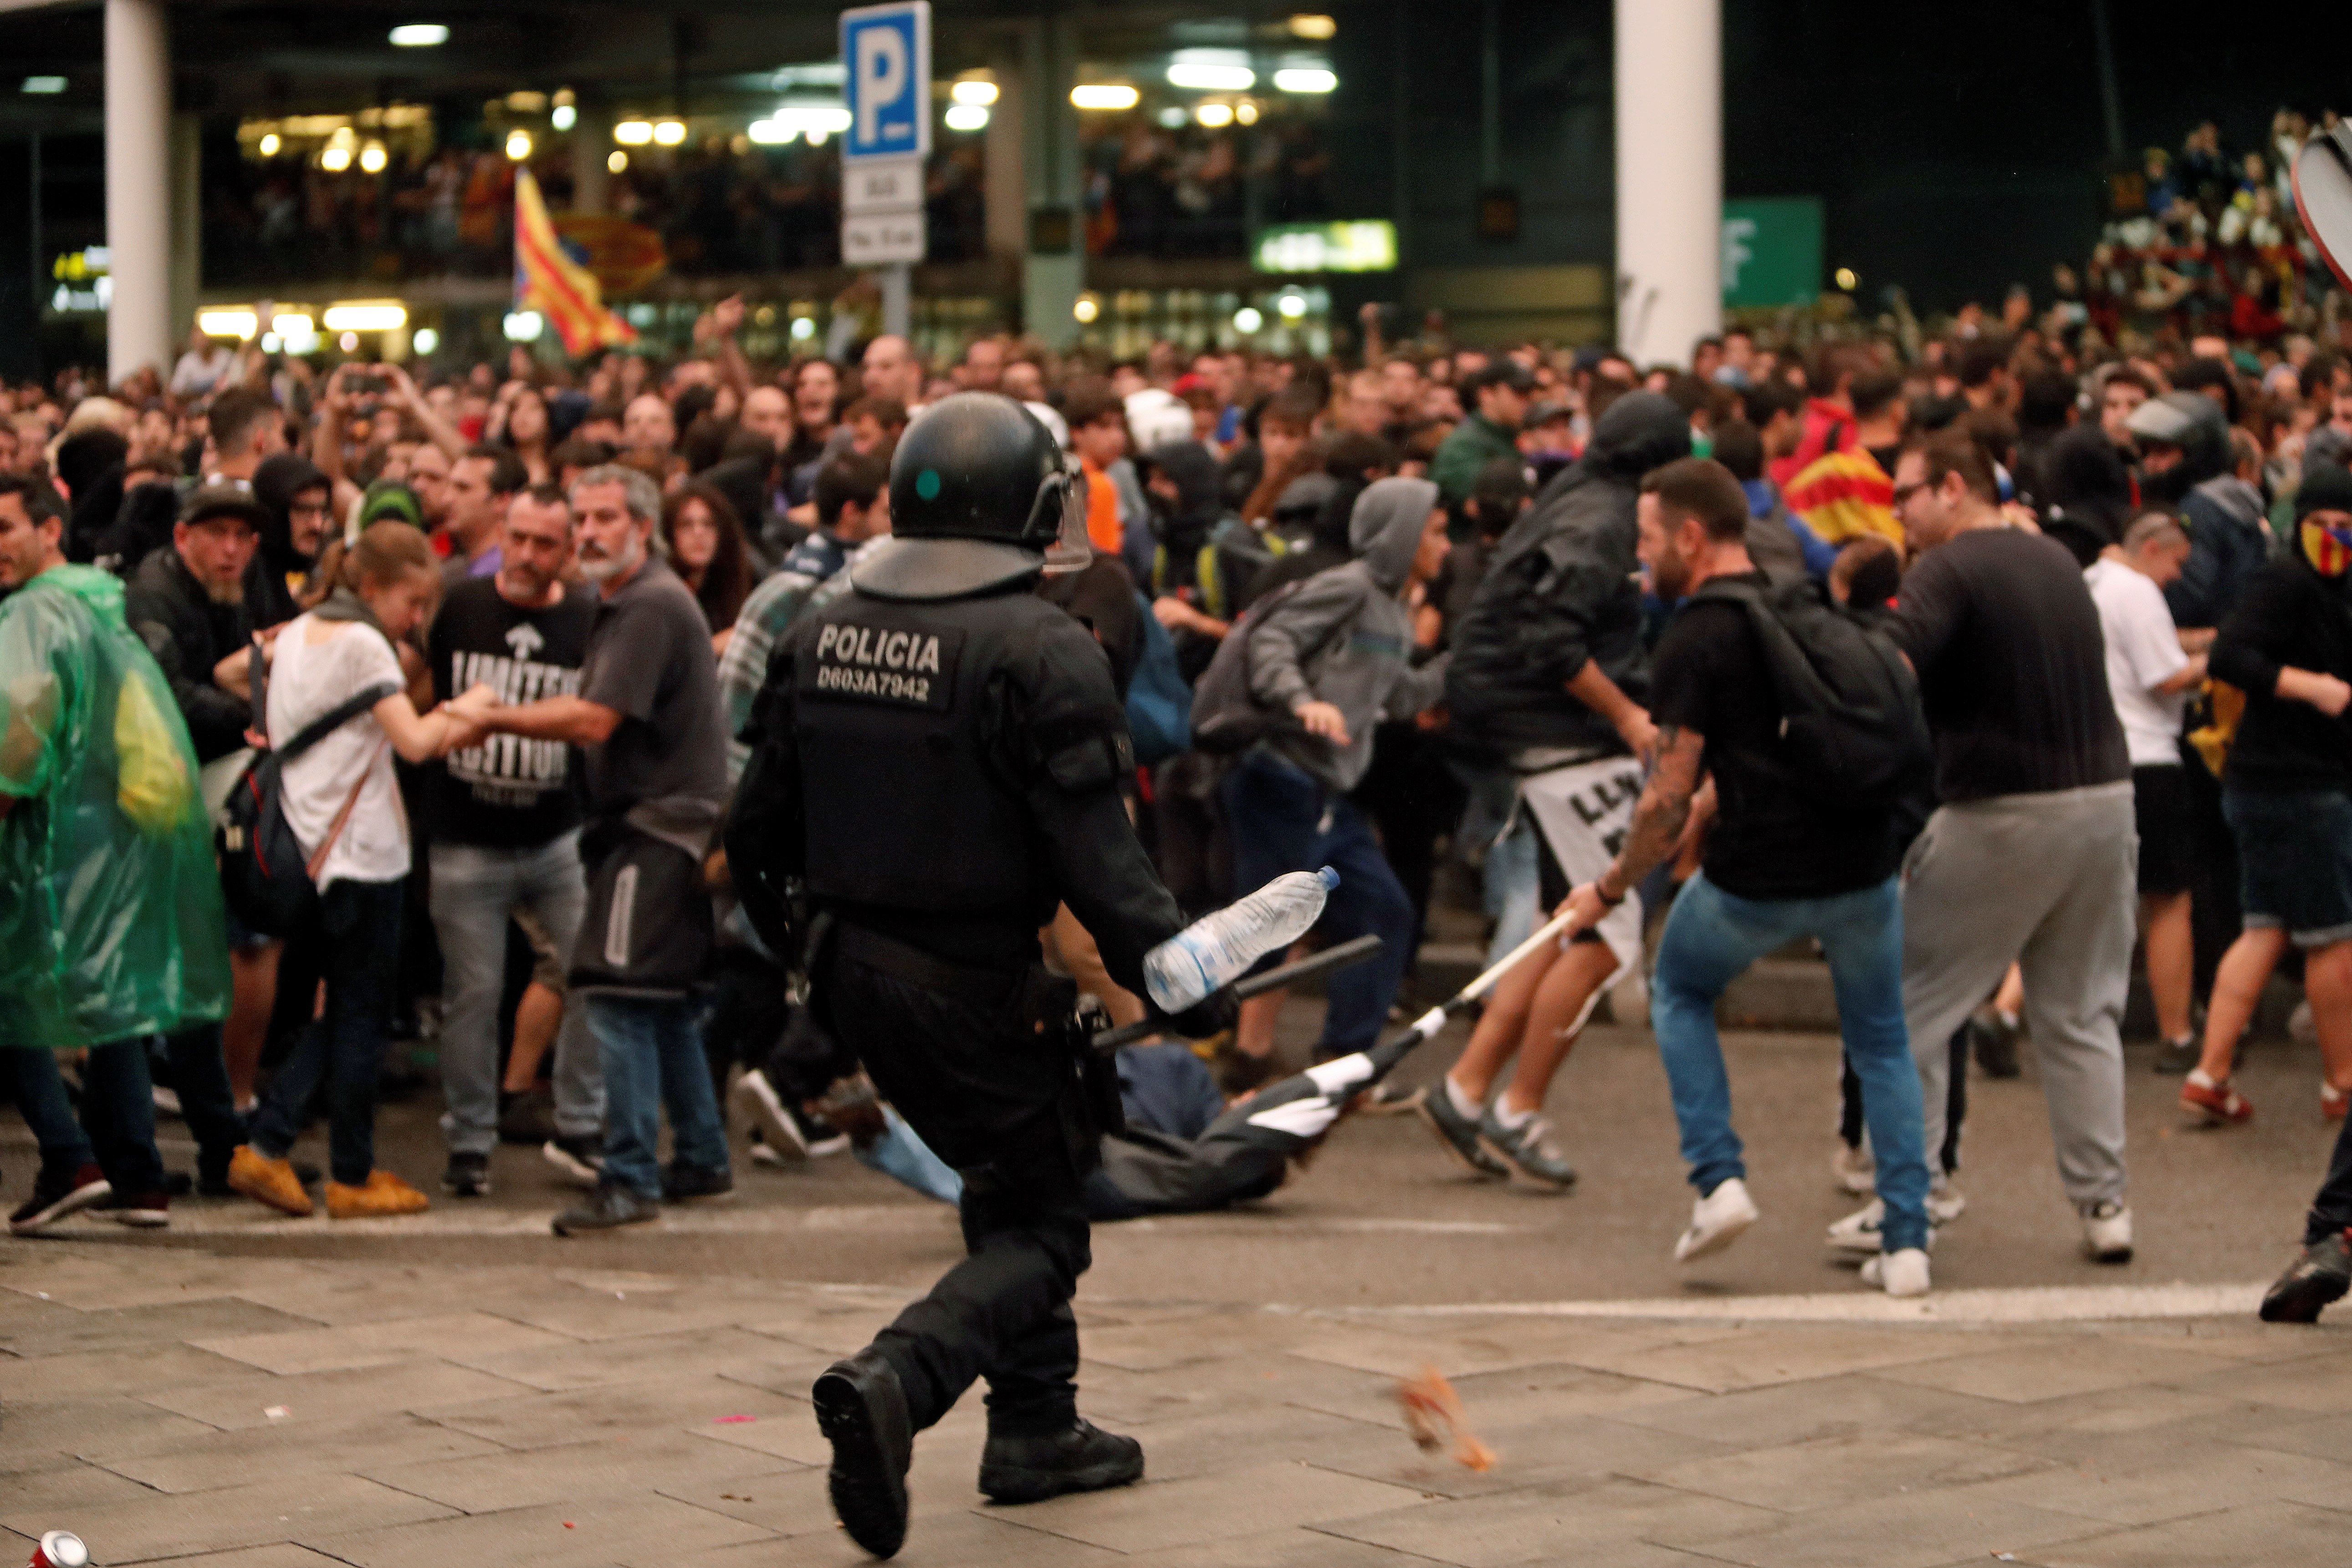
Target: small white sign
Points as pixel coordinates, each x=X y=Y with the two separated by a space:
x=877 y=239
x=882 y=186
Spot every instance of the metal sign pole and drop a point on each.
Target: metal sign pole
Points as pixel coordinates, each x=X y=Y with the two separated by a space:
x=897 y=279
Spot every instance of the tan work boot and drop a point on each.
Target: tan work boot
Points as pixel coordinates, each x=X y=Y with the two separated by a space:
x=385 y=1194
x=268 y=1180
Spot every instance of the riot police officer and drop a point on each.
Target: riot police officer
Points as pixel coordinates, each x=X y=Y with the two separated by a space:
x=938 y=765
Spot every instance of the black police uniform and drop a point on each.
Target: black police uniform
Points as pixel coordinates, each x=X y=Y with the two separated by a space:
x=938 y=767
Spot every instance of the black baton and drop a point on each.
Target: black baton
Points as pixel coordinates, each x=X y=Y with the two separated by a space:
x=1354 y=950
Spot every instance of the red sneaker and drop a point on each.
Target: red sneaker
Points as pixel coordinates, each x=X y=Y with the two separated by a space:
x=2219 y=1104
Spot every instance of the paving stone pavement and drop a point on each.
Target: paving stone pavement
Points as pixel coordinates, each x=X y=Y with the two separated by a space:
x=219 y=1411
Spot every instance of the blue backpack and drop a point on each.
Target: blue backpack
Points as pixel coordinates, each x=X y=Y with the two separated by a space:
x=1158 y=703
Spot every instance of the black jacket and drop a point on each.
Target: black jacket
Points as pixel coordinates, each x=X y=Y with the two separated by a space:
x=188 y=634
x=2286 y=615
x=1561 y=591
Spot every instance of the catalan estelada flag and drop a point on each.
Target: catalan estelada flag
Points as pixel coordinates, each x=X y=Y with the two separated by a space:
x=1844 y=495
x=546 y=280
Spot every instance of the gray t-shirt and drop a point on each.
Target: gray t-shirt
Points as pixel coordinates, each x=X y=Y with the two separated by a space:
x=649 y=661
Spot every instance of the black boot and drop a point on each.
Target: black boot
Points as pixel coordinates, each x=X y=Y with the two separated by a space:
x=2321 y=1275
x=1082 y=1457
x=1995 y=1039
x=862 y=1410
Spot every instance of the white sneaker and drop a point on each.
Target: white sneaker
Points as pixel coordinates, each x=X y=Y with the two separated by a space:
x=2107 y=1231
x=755 y=1100
x=1901 y=1273
x=1945 y=1202
x=1856 y=1170
x=1717 y=1220
x=1859 y=1232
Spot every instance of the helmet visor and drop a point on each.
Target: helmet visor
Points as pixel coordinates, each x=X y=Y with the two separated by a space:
x=1062 y=505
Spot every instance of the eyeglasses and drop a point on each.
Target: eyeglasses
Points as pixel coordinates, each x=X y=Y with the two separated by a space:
x=1905 y=492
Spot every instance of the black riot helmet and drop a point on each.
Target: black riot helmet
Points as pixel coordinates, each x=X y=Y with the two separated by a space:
x=978 y=493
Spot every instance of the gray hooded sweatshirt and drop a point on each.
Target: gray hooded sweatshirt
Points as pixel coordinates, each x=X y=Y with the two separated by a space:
x=1344 y=638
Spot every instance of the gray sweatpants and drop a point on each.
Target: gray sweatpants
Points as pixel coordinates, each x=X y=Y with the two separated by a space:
x=2049 y=880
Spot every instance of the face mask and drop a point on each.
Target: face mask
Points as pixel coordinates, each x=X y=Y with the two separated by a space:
x=2329 y=550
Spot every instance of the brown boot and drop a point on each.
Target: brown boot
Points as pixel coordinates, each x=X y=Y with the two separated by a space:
x=383 y=1194
x=268 y=1180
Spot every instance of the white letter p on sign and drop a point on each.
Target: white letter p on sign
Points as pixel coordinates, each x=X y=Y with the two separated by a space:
x=881 y=75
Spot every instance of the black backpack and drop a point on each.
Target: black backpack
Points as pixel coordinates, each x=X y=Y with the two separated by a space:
x=267 y=882
x=1853 y=732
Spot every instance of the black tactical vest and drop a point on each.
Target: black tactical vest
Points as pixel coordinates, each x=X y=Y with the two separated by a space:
x=904 y=781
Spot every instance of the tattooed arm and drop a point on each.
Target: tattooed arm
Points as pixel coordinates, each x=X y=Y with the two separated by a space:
x=1658 y=822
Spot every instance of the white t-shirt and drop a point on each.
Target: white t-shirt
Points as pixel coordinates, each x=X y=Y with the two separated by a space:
x=2143 y=652
x=307 y=678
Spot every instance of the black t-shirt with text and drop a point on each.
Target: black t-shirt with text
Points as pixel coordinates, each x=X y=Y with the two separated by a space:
x=2012 y=666
x=1770 y=838
x=509 y=791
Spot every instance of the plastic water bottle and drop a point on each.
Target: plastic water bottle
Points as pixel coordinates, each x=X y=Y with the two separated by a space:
x=1214 y=950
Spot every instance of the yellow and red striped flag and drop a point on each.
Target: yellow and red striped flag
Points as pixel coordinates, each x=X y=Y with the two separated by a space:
x=546 y=280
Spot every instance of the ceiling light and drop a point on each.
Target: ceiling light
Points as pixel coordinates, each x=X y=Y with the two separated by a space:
x=1310 y=26
x=523 y=100
x=373 y=158
x=1304 y=78
x=633 y=133
x=292 y=325
x=268 y=145
x=1194 y=76
x=768 y=133
x=239 y=324
x=1248 y=319
x=1845 y=279
x=367 y=316
x=967 y=117
x=1214 y=115
x=1114 y=95
x=1171 y=117
x=419 y=35
x=1245 y=112
x=669 y=133
x=335 y=160
x=45 y=84
x=517 y=145
x=564 y=117
x=974 y=89
x=803 y=326
x=523 y=326
x=425 y=340
x=1086 y=308
x=617 y=160
x=1291 y=305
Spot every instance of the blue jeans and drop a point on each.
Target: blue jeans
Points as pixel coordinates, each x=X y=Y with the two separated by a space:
x=1711 y=938
x=118 y=1115
x=357 y=950
x=1281 y=820
x=652 y=1056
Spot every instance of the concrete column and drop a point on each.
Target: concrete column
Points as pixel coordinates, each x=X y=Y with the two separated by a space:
x=1004 y=176
x=1051 y=281
x=138 y=187
x=1669 y=115
x=591 y=143
x=187 y=222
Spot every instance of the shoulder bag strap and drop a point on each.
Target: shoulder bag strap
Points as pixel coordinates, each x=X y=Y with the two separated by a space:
x=318 y=858
x=333 y=720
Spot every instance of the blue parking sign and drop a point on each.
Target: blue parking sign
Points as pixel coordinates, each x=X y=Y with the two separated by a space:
x=885 y=53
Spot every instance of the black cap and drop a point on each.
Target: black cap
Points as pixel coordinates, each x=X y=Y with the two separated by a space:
x=1505 y=370
x=220 y=496
x=2327 y=487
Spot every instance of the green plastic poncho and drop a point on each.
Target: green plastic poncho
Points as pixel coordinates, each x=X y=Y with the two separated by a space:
x=111 y=922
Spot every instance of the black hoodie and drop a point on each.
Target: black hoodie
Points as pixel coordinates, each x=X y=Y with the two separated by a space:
x=1561 y=589
x=269 y=593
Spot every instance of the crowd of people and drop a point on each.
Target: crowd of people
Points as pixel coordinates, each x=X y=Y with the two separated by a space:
x=726 y=205
x=497 y=637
